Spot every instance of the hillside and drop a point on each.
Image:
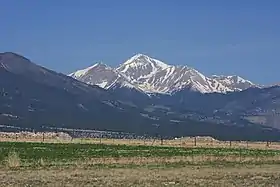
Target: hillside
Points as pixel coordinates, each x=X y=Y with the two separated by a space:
x=32 y=96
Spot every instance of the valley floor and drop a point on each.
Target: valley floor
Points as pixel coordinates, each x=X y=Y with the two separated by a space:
x=265 y=175
x=75 y=164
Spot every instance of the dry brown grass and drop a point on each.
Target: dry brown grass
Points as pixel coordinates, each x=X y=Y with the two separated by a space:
x=182 y=142
x=176 y=161
x=185 y=142
x=150 y=162
x=13 y=160
x=267 y=175
x=41 y=162
x=34 y=137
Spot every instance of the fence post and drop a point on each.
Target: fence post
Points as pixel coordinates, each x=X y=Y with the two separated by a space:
x=181 y=141
x=267 y=144
x=73 y=134
x=153 y=141
x=195 y=141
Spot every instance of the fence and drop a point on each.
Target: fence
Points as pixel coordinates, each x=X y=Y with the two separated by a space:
x=131 y=140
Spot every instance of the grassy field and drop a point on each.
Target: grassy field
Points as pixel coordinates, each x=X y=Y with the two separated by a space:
x=265 y=176
x=74 y=164
x=68 y=153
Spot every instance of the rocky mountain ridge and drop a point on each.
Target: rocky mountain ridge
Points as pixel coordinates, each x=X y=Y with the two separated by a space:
x=150 y=75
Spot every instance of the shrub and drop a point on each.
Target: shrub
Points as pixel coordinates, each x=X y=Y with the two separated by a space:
x=41 y=162
x=13 y=160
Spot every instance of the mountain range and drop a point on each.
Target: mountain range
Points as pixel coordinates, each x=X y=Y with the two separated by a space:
x=150 y=75
x=142 y=96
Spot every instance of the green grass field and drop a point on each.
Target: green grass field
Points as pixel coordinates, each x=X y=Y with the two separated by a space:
x=73 y=164
x=51 y=153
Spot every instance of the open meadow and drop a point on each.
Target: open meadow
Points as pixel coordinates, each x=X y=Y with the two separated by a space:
x=93 y=164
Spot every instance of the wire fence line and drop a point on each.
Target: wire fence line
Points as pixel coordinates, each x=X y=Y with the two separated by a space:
x=99 y=138
x=54 y=134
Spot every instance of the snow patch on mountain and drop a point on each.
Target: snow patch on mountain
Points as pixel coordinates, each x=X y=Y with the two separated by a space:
x=234 y=82
x=102 y=84
x=82 y=72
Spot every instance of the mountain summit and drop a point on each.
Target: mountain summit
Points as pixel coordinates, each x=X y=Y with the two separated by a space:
x=141 y=66
x=154 y=76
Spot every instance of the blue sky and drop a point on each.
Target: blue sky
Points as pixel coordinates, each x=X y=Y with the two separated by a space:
x=215 y=37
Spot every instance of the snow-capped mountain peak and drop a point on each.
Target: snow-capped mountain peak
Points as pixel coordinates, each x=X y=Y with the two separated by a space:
x=83 y=72
x=141 y=59
x=141 y=66
x=150 y=75
x=103 y=76
x=234 y=82
x=98 y=74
